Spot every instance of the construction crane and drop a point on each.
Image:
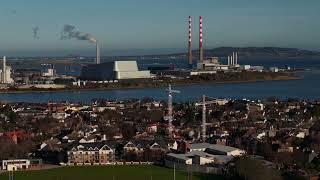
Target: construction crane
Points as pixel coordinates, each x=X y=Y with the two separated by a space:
x=170 y=116
x=204 y=118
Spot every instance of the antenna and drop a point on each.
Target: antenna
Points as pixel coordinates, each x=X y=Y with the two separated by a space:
x=170 y=117
x=204 y=110
x=174 y=171
x=204 y=118
x=190 y=43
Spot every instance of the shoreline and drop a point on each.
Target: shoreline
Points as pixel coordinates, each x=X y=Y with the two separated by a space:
x=278 y=78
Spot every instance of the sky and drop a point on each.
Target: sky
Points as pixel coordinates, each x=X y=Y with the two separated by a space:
x=136 y=27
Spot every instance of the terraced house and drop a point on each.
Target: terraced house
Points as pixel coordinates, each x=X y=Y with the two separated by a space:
x=91 y=153
x=145 y=150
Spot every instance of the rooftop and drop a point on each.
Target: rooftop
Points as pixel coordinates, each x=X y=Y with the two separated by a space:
x=217 y=147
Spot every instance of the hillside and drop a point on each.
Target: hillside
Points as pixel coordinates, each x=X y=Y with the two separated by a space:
x=255 y=52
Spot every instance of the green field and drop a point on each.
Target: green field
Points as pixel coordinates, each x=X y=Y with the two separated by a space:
x=106 y=173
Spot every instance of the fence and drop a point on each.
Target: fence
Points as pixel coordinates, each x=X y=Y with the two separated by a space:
x=194 y=168
x=105 y=164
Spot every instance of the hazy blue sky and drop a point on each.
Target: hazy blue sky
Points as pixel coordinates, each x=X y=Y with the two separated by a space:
x=156 y=26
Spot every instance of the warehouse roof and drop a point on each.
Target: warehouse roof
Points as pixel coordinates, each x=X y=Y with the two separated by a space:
x=126 y=66
x=179 y=156
x=216 y=147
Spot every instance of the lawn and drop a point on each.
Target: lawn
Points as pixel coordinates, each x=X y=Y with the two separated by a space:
x=106 y=173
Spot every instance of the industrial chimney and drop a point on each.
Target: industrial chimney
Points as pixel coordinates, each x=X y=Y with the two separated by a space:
x=190 y=43
x=233 y=59
x=98 y=53
x=236 y=58
x=200 y=40
x=4 y=67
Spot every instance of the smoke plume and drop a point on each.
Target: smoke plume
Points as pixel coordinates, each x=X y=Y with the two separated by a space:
x=35 y=31
x=71 y=32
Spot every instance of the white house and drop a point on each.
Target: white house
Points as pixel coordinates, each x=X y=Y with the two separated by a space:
x=15 y=164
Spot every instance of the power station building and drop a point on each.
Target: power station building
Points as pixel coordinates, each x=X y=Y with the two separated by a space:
x=5 y=73
x=212 y=64
x=116 y=70
x=48 y=70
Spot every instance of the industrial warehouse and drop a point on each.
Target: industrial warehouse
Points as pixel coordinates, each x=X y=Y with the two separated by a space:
x=5 y=72
x=116 y=70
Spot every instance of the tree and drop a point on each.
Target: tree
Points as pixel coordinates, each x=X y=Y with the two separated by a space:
x=252 y=169
x=316 y=111
x=190 y=114
x=128 y=131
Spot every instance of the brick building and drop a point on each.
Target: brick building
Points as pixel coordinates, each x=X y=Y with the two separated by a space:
x=91 y=153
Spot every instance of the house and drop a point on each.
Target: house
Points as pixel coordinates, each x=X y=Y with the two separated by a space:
x=66 y=139
x=142 y=145
x=130 y=146
x=145 y=150
x=59 y=115
x=156 y=104
x=172 y=144
x=100 y=109
x=88 y=139
x=152 y=128
x=91 y=153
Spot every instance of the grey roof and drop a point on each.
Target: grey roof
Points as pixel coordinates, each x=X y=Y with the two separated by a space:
x=198 y=153
x=222 y=158
x=216 y=147
x=179 y=156
x=199 y=146
x=149 y=143
x=222 y=148
x=89 y=146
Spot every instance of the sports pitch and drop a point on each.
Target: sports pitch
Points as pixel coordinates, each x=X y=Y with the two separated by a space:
x=106 y=173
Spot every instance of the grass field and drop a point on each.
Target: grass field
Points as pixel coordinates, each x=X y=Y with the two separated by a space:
x=106 y=173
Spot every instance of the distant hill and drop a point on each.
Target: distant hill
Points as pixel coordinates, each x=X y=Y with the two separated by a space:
x=255 y=52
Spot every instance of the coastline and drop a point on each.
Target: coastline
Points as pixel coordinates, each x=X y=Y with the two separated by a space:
x=141 y=86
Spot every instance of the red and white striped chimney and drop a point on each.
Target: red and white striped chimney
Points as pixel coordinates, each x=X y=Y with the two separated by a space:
x=190 y=43
x=200 y=40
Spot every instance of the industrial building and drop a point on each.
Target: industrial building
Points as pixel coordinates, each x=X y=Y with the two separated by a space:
x=20 y=164
x=13 y=165
x=211 y=65
x=48 y=70
x=129 y=70
x=5 y=73
x=205 y=153
x=116 y=70
x=216 y=149
x=198 y=158
x=233 y=60
x=203 y=157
